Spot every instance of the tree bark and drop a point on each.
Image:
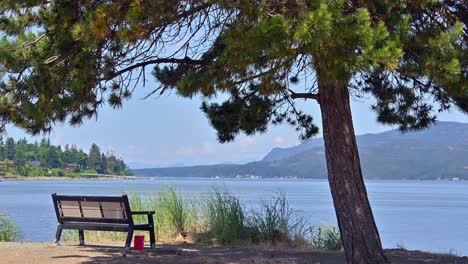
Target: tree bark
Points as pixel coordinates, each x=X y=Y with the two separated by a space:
x=359 y=232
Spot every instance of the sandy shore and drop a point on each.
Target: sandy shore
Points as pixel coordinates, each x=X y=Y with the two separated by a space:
x=38 y=253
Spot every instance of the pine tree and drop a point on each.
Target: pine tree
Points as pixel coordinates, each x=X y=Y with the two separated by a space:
x=43 y=142
x=10 y=149
x=85 y=53
x=102 y=169
x=53 y=158
x=20 y=150
x=94 y=160
x=2 y=149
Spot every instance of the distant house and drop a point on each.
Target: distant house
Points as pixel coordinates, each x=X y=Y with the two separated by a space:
x=4 y=167
x=70 y=166
x=34 y=163
x=7 y=163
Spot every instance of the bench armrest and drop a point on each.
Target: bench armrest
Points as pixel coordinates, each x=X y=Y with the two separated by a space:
x=142 y=212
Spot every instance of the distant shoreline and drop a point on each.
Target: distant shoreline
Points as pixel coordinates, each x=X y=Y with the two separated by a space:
x=136 y=177
x=64 y=178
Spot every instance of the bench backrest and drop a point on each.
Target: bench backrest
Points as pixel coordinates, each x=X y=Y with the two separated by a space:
x=92 y=209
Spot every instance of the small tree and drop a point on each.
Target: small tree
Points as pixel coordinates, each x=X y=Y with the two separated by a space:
x=102 y=168
x=10 y=149
x=94 y=157
x=62 y=60
x=53 y=158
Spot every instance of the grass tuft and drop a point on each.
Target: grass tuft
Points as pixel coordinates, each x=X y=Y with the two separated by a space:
x=8 y=230
x=276 y=221
x=224 y=218
x=174 y=214
x=326 y=238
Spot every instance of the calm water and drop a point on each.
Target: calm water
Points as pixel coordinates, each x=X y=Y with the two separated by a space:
x=419 y=215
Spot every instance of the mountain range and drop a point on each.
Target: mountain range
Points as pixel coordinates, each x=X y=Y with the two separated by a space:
x=438 y=152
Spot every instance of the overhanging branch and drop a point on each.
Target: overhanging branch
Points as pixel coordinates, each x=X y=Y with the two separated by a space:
x=185 y=60
x=295 y=95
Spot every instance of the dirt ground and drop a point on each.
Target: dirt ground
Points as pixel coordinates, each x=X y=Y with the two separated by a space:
x=34 y=253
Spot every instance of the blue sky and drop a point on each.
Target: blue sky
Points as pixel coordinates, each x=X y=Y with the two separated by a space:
x=171 y=130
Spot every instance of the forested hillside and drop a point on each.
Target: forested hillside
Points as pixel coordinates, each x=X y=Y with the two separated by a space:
x=44 y=159
x=439 y=152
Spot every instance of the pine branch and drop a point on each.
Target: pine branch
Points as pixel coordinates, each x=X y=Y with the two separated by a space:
x=295 y=95
x=185 y=60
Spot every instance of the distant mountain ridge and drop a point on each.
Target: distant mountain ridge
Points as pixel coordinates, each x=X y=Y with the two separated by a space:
x=439 y=152
x=449 y=132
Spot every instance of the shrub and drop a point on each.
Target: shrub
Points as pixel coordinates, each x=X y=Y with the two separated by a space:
x=326 y=238
x=276 y=222
x=8 y=229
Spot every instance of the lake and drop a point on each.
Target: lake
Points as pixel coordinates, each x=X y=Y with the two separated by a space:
x=423 y=215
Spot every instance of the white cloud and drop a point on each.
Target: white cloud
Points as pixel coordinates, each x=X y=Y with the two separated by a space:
x=279 y=140
x=247 y=142
x=196 y=151
x=208 y=148
x=185 y=152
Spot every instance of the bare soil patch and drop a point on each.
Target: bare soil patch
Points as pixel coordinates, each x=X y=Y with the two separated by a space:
x=36 y=253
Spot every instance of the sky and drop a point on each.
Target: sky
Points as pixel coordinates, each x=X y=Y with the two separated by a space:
x=173 y=131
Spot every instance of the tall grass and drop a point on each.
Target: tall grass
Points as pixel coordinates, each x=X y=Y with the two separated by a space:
x=276 y=221
x=174 y=214
x=8 y=229
x=224 y=218
x=219 y=218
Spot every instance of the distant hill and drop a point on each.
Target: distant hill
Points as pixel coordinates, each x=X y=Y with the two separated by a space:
x=439 y=152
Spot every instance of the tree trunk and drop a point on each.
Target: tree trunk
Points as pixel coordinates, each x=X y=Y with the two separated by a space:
x=355 y=219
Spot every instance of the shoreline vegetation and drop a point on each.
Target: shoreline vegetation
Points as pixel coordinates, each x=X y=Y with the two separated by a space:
x=219 y=218
x=70 y=178
x=42 y=159
x=216 y=218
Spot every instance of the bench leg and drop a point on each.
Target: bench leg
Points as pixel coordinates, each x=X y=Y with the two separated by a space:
x=81 y=235
x=151 y=232
x=152 y=239
x=128 y=242
x=58 y=234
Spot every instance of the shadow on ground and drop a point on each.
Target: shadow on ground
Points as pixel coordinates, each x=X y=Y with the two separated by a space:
x=181 y=254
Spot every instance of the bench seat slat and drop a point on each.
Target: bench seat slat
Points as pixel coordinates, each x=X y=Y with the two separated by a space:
x=96 y=227
x=89 y=198
x=94 y=220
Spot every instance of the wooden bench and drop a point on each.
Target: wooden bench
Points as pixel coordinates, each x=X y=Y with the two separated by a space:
x=99 y=213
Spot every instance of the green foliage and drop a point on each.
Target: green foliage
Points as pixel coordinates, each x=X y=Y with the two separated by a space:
x=238 y=115
x=61 y=61
x=44 y=159
x=219 y=218
x=174 y=212
x=326 y=238
x=225 y=218
x=8 y=229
